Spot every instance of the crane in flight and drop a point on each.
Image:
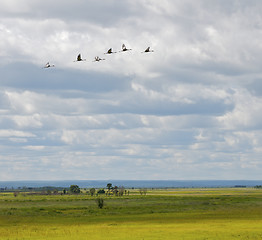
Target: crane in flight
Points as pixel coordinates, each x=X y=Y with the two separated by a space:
x=124 y=49
x=79 y=58
x=110 y=51
x=97 y=59
x=147 y=50
x=48 y=65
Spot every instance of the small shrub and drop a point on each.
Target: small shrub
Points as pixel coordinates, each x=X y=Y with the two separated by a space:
x=16 y=194
x=101 y=191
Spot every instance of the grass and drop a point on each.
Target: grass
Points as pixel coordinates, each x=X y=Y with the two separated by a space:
x=161 y=214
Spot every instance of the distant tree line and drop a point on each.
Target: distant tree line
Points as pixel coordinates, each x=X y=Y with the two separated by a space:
x=109 y=190
x=43 y=190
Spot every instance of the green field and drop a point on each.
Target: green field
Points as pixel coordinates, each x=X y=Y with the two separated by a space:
x=160 y=214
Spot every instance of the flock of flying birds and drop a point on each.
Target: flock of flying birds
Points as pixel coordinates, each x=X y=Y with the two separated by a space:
x=97 y=58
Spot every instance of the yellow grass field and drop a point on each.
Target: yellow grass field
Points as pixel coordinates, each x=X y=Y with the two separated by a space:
x=161 y=214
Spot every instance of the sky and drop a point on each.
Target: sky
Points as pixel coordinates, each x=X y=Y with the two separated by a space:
x=190 y=110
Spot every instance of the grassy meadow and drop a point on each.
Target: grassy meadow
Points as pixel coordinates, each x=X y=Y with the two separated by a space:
x=230 y=213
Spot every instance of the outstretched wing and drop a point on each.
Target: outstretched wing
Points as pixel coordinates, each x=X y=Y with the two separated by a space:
x=79 y=57
x=47 y=65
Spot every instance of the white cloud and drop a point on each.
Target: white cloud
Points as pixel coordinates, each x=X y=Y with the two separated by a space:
x=246 y=113
x=14 y=133
x=191 y=109
x=35 y=148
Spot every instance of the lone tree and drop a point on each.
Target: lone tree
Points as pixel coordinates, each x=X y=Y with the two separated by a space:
x=74 y=189
x=109 y=187
x=92 y=191
x=100 y=202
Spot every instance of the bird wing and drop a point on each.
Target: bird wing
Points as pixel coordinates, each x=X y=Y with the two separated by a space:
x=79 y=57
x=123 y=46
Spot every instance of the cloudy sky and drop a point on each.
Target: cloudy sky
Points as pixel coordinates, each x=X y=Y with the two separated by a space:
x=189 y=110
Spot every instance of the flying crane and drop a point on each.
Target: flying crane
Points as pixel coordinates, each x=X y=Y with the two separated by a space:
x=48 y=65
x=79 y=58
x=124 y=49
x=97 y=59
x=110 y=51
x=147 y=50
